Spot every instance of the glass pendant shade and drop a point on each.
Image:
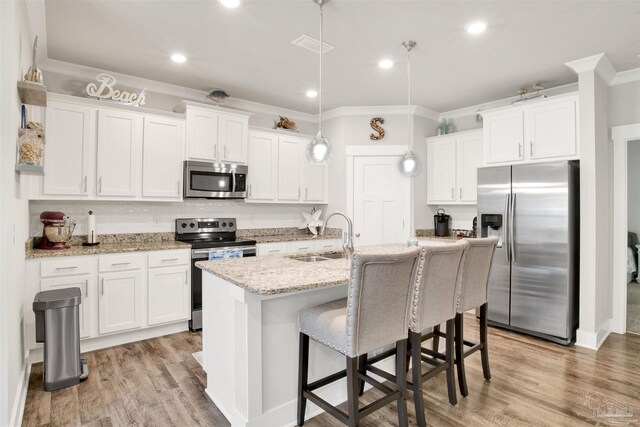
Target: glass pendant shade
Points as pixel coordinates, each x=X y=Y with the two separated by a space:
x=319 y=149
x=409 y=164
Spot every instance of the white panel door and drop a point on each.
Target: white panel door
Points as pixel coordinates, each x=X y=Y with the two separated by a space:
x=168 y=294
x=120 y=301
x=289 y=168
x=469 y=160
x=504 y=137
x=441 y=170
x=86 y=283
x=163 y=144
x=378 y=205
x=551 y=130
x=233 y=137
x=314 y=180
x=119 y=153
x=202 y=135
x=69 y=149
x=262 y=177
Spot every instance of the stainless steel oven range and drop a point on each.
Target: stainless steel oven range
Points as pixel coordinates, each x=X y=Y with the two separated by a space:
x=206 y=235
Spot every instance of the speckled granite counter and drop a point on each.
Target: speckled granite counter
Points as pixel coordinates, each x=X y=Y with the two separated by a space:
x=277 y=274
x=110 y=244
x=276 y=235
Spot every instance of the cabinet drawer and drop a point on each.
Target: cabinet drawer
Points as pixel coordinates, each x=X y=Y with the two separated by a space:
x=272 y=248
x=65 y=266
x=168 y=258
x=325 y=244
x=301 y=246
x=120 y=262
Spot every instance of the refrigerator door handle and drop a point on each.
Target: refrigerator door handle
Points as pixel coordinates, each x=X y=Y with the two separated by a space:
x=505 y=234
x=512 y=238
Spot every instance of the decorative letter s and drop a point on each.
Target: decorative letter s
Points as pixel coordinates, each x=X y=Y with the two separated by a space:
x=377 y=128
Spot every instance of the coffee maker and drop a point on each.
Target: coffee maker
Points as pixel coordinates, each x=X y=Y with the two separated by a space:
x=441 y=223
x=56 y=230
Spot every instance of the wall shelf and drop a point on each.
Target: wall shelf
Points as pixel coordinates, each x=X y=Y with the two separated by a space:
x=32 y=93
x=37 y=169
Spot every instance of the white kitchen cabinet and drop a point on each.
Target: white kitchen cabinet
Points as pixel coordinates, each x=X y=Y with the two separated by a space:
x=314 y=180
x=278 y=248
x=120 y=301
x=163 y=145
x=290 y=151
x=452 y=167
x=119 y=153
x=263 y=166
x=301 y=246
x=87 y=285
x=233 y=136
x=168 y=294
x=69 y=150
x=535 y=131
x=327 y=244
x=202 y=134
x=550 y=130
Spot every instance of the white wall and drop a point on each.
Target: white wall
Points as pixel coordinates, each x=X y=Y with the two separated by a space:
x=15 y=47
x=624 y=104
x=633 y=179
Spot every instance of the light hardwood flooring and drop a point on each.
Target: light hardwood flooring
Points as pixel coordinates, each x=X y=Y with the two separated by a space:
x=157 y=382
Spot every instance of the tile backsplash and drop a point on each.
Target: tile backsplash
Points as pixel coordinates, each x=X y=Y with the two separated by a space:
x=147 y=217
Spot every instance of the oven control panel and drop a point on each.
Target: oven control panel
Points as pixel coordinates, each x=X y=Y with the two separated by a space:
x=205 y=225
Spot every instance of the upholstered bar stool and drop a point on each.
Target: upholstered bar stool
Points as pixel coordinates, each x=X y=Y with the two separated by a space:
x=472 y=293
x=433 y=302
x=373 y=315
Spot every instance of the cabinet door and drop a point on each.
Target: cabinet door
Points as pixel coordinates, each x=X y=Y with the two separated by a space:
x=263 y=166
x=504 y=137
x=69 y=149
x=120 y=301
x=119 y=153
x=272 y=248
x=168 y=294
x=289 y=168
x=326 y=244
x=313 y=179
x=202 y=135
x=163 y=143
x=233 y=134
x=441 y=170
x=551 y=130
x=469 y=160
x=301 y=246
x=86 y=284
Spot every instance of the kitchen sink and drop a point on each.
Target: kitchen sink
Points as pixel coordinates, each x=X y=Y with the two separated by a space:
x=337 y=255
x=312 y=258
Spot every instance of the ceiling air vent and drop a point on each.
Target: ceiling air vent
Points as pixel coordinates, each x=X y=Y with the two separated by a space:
x=309 y=43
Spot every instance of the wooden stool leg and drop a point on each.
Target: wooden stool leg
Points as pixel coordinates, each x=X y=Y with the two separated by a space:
x=416 y=369
x=362 y=368
x=401 y=383
x=303 y=371
x=484 y=351
x=352 y=391
x=436 y=338
x=450 y=361
x=462 y=378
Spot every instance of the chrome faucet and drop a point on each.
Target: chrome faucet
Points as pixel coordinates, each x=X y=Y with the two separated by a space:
x=347 y=244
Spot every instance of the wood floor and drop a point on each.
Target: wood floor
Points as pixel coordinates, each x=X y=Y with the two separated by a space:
x=158 y=383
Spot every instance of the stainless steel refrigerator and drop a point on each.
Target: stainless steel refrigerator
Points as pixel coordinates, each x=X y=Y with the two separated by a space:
x=535 y=212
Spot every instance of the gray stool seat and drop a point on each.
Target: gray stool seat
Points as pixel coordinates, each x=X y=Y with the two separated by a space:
x=327 y=324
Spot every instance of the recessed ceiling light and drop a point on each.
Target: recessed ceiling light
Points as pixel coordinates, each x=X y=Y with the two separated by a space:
x=312 y=93
x=230 y=3
x=385 y=63
x=179 y=58
x=475 y=27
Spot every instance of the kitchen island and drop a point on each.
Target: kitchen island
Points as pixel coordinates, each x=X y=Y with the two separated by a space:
x=250 y=334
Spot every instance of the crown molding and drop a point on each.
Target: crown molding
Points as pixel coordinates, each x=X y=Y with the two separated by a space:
x=599 y=63
x=624 y=77
x=367 y=110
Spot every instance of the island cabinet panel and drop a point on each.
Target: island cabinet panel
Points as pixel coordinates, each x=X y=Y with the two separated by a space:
x=70 y=149
x=163 y=144
x=263 y=167
x=87 y=284
x=202 y=134
x=168 y=294
x=119 y=153
x=120 y=301
x=233 y=136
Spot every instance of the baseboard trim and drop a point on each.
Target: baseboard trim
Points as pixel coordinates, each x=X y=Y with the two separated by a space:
x=17 y=411
x=593 y=340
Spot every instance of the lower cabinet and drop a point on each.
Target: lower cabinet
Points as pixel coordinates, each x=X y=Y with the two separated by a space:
x=309 y=245
x=84 y=282
x=120 y=301
x=168 y=294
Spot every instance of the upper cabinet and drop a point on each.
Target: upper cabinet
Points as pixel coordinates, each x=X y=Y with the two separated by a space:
x=530 y=132
x=279 y=171
x=452 y=164
x=162 y=145
x=215 y=134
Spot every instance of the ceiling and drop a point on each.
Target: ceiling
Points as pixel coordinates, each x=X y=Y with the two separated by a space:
x=248 y=52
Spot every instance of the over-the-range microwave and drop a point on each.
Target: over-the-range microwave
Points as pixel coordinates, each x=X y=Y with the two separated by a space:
x=208 y=180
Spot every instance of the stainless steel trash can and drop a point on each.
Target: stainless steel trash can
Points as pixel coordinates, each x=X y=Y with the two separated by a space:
x=58 y=327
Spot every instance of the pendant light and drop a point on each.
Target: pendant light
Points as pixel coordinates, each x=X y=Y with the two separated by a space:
x=409 y=163
x=319 y=149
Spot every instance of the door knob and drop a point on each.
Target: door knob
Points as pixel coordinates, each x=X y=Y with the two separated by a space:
x=357 y=234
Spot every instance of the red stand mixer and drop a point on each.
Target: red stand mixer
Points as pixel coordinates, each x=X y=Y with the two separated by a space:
x=57 y=230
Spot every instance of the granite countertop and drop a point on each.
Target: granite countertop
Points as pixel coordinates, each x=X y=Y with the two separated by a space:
x=290 y=238
x=279 y=274
x=289 y=234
